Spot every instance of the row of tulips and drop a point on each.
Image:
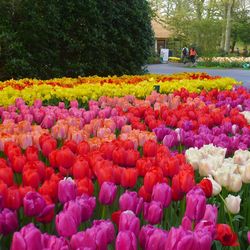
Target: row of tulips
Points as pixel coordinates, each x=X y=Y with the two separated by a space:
x=126 y=173
x=84 y=89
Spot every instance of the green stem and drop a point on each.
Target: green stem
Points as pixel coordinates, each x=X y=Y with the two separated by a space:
x=103 y=211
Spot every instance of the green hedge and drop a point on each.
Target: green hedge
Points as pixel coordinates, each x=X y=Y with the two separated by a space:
x=47 y=39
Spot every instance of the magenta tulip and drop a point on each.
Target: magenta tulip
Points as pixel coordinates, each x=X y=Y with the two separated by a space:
x=8 y=221
x=196 y=204
x=107 y=193
x=67 y=190
x=33 y=204
x=29 y=238
x=162 y=193
x=153 y=212
x=129 y=222
x=126 y=240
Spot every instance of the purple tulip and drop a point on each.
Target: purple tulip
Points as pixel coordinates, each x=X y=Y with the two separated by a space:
x=186 y=223
x=153 y=212
x=74 y=104
x=61 y=105
x=211 y=213
x=104 y=229
x=54 y=243
x=145 y=233
x=66 y=225
x=178 y=238
x=196 y=204
x=29 y=238
x=128 y=221
x=157 y=240
x=67 y=190
x=162 y=193
x=126 y=240
x=48 y=121
x=107 y=193
x=8 y=221
x=87 y=206
x=74 y=208
x=82 y=240
x=170 y=140
x=38 y=103
x=130 y=201
x=33 y=204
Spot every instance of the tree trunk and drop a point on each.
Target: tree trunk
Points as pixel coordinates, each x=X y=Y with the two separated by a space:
x=228 y=26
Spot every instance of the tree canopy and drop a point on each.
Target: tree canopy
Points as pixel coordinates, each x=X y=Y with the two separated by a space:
x=53 y=38
x=208 y=24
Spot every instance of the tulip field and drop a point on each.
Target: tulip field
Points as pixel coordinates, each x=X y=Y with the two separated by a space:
x=151 y=162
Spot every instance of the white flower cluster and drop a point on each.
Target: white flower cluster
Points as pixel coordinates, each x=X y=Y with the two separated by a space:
x=226 y=59
x=227 y=172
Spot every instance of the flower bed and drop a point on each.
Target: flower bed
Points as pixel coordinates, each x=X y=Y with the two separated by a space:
x=166 y=170
x=225 y=62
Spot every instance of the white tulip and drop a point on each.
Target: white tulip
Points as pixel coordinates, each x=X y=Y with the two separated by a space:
x=241 y=156
x=221 y=175
x=216 y=186
x=245 y=172
x=233 y=204
x=193 y=157
x=235 y=182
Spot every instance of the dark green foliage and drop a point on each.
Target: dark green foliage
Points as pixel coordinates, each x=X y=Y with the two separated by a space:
x=53 y=38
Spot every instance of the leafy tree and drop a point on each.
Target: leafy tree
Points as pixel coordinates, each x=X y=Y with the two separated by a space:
x=52 y=38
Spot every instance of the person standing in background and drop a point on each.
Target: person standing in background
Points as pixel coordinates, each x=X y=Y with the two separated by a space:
x=193 y=55
x=184 y=54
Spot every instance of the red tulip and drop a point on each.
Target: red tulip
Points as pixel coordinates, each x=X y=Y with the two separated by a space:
x=48 y=146
x=13 y=198
x=81 y=169
x=83 y=148
x=52 y=158
x=85 y=186
x=32 y=153
x=31 y=178
x=226 y=236
x=18 y=162
x=65 y=158
x=72 y=145
x=131 y=157
x=150 y=148
x=129 y=177
x=119 y=155
x=144 y=194
x=115 y=217
x=151 y=178
x=207 y=187
x=107 y=149
x=6 y=175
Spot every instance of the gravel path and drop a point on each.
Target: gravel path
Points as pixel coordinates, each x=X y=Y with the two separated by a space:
x=170 y=68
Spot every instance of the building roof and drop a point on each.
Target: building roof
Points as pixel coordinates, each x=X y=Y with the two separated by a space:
x=159 y=30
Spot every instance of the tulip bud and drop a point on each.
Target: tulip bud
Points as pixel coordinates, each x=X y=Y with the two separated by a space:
x=128 y=221
x=66 y=225
x=30 y=236
x=216 y=186
x=162 y=193
x=33 y=204
x=130 y=201
x=233 y=204
x=66 y=190
x=8 y=221
x=107 y=193
x=126 y=240
x=153 y=212
x=196 y=204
